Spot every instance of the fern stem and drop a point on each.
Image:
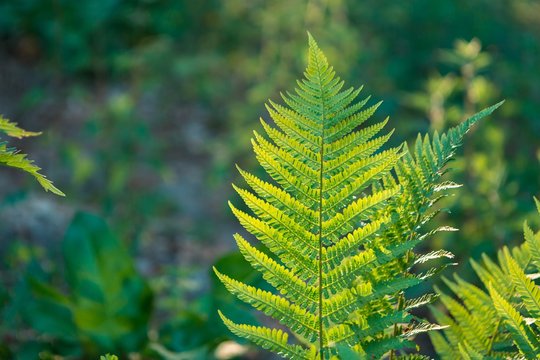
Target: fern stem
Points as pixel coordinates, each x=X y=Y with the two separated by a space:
x=492 y=338
x=399 y=307
x=321 y=178
x=401 y=298
x=321 y=339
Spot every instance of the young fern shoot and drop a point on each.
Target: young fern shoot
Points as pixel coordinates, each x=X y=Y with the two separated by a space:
x=339 y=221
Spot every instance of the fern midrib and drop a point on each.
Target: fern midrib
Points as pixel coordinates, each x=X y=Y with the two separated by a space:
x=321 y=184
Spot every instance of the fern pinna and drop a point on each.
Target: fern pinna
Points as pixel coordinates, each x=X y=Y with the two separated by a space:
x=339 y=223
x=502 y=321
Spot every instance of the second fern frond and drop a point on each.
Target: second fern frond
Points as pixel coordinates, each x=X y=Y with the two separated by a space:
x=502 y=320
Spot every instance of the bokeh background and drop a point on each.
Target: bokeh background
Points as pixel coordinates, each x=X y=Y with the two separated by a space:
x=146 y=105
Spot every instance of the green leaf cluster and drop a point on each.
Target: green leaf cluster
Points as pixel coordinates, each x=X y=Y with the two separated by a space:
x=108 y=357
x=107 y=307
x=501 y=319
x=12 y=157
x=339 y=223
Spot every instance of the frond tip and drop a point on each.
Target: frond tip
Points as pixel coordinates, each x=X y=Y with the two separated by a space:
x=339 y=218
x=11 y=129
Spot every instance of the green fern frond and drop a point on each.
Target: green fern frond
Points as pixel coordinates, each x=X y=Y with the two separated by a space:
x=522 y=335
x=502 y=320
x=340 y=220
x=525 y=287
x=533 y=242
x=13 y=158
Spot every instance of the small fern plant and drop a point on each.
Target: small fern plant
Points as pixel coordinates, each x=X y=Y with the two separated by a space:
x=338 y=222
x=13 y=158
x=500 y=320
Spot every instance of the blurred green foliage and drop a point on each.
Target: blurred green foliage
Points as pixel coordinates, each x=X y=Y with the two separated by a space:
x=116 y=160
x=146 y=104
x=106 y=308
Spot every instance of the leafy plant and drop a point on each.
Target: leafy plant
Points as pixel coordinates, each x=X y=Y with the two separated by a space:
x=339 y=224
x=12 y=157
x=500 y=320
x=108 y=357
x=108 y=304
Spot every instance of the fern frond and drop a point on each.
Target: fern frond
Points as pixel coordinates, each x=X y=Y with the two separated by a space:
x=340 y=217
x=522 y=335
x=533 y=242
x=525 y=287
x=13 y=158
x=501 y=320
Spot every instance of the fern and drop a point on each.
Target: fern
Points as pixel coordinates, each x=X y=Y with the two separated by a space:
x=338 y=223
x=502 y=320
x=13 y=158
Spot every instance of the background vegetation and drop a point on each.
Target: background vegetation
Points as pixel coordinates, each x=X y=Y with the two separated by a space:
x=146 y=106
